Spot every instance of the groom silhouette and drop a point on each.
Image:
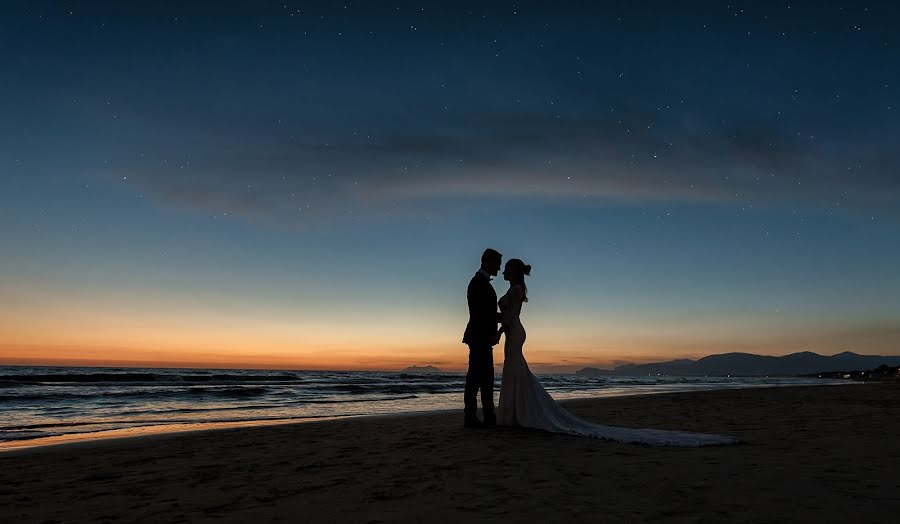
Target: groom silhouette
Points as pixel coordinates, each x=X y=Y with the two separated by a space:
x=481 y=336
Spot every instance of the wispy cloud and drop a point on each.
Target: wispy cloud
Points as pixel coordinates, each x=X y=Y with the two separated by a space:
x=266 y=172
x=373 y=125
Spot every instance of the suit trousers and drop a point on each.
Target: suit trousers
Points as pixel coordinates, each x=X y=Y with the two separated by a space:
x=480 y=377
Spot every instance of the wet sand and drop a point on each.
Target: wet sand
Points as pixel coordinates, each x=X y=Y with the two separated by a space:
x=822 y=453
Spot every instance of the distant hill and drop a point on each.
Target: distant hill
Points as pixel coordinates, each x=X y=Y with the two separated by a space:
x=421 y=369
x=596 y=372
x=749 y=365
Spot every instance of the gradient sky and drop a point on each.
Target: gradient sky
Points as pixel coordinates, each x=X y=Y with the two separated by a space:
x=311 y=184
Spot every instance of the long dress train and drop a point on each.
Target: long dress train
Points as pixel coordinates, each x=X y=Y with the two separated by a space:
x=524 y=401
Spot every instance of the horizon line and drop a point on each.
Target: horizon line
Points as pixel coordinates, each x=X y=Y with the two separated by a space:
x=148 y=364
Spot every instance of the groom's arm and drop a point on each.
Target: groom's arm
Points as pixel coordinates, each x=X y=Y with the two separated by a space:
x=479 y=300
x=485 y=300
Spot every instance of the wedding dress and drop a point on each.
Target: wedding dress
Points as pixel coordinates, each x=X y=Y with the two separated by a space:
x=525 y=403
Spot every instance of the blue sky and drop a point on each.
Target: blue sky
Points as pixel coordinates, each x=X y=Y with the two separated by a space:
x=312 y=184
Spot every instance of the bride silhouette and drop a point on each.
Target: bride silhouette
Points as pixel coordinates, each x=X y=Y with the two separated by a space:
x=525 y=403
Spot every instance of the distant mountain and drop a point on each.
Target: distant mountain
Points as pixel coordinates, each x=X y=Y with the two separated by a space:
x=596 y=372
x=749 y=365
x=421 y=369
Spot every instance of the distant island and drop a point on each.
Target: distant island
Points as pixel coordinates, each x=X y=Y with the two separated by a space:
x=750 y=365
x=421 y=369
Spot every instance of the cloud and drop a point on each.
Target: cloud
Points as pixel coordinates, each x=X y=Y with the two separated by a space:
x=274 y=175
x=298 y=127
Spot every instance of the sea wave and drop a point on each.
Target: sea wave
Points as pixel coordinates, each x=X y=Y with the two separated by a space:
x=143 y=393
x=145 y=378
x=198 y=394
x=42 y=401
x=6 y=436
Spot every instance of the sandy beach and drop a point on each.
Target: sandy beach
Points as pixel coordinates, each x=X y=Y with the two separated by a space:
x=826 y=453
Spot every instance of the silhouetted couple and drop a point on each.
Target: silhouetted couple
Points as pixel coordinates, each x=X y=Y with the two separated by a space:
x=523 y=400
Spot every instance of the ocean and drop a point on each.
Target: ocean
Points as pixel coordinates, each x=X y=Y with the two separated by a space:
x=40 y=402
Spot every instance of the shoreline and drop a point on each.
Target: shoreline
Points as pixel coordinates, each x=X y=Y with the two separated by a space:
x=158 y=430
x=812 y=454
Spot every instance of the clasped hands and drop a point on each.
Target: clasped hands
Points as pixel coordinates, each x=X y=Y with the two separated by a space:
x=497 y=336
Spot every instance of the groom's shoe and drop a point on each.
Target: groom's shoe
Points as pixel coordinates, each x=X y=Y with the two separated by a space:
x=489 y=422
x=472 y=423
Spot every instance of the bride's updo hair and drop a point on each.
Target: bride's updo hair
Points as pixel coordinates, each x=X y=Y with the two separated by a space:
x=519 y=271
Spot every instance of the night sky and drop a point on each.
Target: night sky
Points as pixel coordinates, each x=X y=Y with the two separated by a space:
x=310 y=185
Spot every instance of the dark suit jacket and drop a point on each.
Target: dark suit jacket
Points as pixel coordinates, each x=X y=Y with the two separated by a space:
x=483 y=314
